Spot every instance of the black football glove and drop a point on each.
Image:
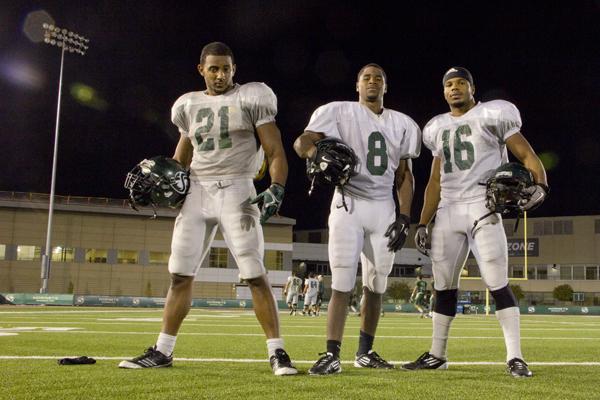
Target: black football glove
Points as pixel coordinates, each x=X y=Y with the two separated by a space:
x=397 y=231
x=534 y=196
x=421 y=239
x=269 y=201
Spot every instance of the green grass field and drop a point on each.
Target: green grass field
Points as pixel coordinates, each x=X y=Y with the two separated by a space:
x=221 y=354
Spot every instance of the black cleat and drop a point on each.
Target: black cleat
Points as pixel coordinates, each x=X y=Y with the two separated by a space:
x=152 y=358
x=326 y=365
x=427 y=361
x=281 y=363
x=518 y=368
x=372 y=360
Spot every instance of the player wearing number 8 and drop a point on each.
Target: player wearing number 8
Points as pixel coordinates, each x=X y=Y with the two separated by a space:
x=218 y=143
x=384 y=142
x=468 y=144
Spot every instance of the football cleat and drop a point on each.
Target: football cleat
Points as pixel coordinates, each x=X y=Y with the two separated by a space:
x=326 y=365
x=427 y=361
x=281 y=363
x=518 y=368
x=371 y=360
x=152 y=358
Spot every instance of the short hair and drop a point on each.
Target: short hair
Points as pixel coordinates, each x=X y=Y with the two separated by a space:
x=216 y=49
x=372 y=65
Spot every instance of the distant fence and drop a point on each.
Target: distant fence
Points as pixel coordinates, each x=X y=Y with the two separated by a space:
x=131 y=301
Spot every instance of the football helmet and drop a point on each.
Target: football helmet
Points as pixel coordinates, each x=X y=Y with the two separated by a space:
x=159 y=181
x=504 y=189
x=334 y=163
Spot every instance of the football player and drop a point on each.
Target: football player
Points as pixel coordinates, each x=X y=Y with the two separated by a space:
x=218 y=143
x=468 y=143
x=291 y=290
x=311 y=291
x=418 y=295
x=320 y=295
x=370 y=230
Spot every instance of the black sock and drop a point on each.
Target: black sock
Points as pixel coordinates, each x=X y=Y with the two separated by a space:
x=365 y=343
x=333 y=347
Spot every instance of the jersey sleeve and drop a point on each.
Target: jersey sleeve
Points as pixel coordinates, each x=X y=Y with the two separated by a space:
x=261 y=102
x=324 y=120
x=178 y=116
x=429 y=140
x=509 y=121
x=413 y=139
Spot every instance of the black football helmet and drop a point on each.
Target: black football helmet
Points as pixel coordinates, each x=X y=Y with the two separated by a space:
x=504 y=189
x=334 y=163
x=159 y=181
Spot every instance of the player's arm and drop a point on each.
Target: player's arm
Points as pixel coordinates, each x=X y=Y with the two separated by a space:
x=270 y=139
x=432 y=193
x=305 y=144
x=184 y=151
x=520 y=148
x=405 y=185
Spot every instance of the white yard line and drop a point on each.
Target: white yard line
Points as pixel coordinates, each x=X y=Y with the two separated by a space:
x=253 y=360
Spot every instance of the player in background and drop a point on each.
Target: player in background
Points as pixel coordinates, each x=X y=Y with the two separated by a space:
x=311 y=291
x=417 y=296
x=370 y=230
x=320 y=295
x=219 y=127
x=468 y=144
x=291 y=290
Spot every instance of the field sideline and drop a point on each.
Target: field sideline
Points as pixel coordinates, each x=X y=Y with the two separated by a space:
x=221 y=354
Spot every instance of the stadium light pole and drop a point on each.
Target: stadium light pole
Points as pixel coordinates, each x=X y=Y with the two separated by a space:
x=67 y=41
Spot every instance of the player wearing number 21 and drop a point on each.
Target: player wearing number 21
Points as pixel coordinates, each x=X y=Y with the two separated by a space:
x=384 y=142
x=218 y=143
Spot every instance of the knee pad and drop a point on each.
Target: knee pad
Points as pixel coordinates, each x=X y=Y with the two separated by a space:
x=504 y=298
x=445 y=302
x=343 y=279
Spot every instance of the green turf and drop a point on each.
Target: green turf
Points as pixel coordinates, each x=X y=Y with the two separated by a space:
x=116 y=333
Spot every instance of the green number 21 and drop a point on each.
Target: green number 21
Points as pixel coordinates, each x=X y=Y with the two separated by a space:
x=224 y=138
x=462 y=161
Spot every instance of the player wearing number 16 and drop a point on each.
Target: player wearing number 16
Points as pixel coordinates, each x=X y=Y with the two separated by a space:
x=218 y=143
x=368 y=228
x=469 y=144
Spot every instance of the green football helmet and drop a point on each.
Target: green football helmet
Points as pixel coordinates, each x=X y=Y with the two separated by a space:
x=504 y=189
x=159 y=181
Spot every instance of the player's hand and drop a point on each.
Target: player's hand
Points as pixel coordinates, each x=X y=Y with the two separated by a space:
x=396 y=232
x=269 y=201
x=421 y=239
x=534 y=196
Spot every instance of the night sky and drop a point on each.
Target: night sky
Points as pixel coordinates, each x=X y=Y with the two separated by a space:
x=542 y=56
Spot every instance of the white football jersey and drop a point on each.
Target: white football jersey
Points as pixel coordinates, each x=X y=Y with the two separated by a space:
x=380 y=142
x=313 y=286
x=221 y=129
x=471 y=147
x=294 y=284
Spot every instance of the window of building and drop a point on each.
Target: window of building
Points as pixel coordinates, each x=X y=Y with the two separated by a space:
x=566 y=272
x=558 y=227
x=29 y=253
x=63 y=254
x=541 y=272
x=158 y=257
x=274 y=260
x=578 y=273
x=314 y=237
x=516 y=271
x=568 y=227
x=217 y=257
x=548 y=227
x=538 y=228
x=2 y=252
x=96 y=255
x=127 y=256
x=597 y=226
x=591 y=272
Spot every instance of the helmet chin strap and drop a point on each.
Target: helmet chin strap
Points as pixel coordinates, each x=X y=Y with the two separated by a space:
x=343 y=199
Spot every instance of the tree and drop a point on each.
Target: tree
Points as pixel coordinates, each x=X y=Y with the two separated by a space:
x=518 y=292
x=563 y=293
x=399 y=291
